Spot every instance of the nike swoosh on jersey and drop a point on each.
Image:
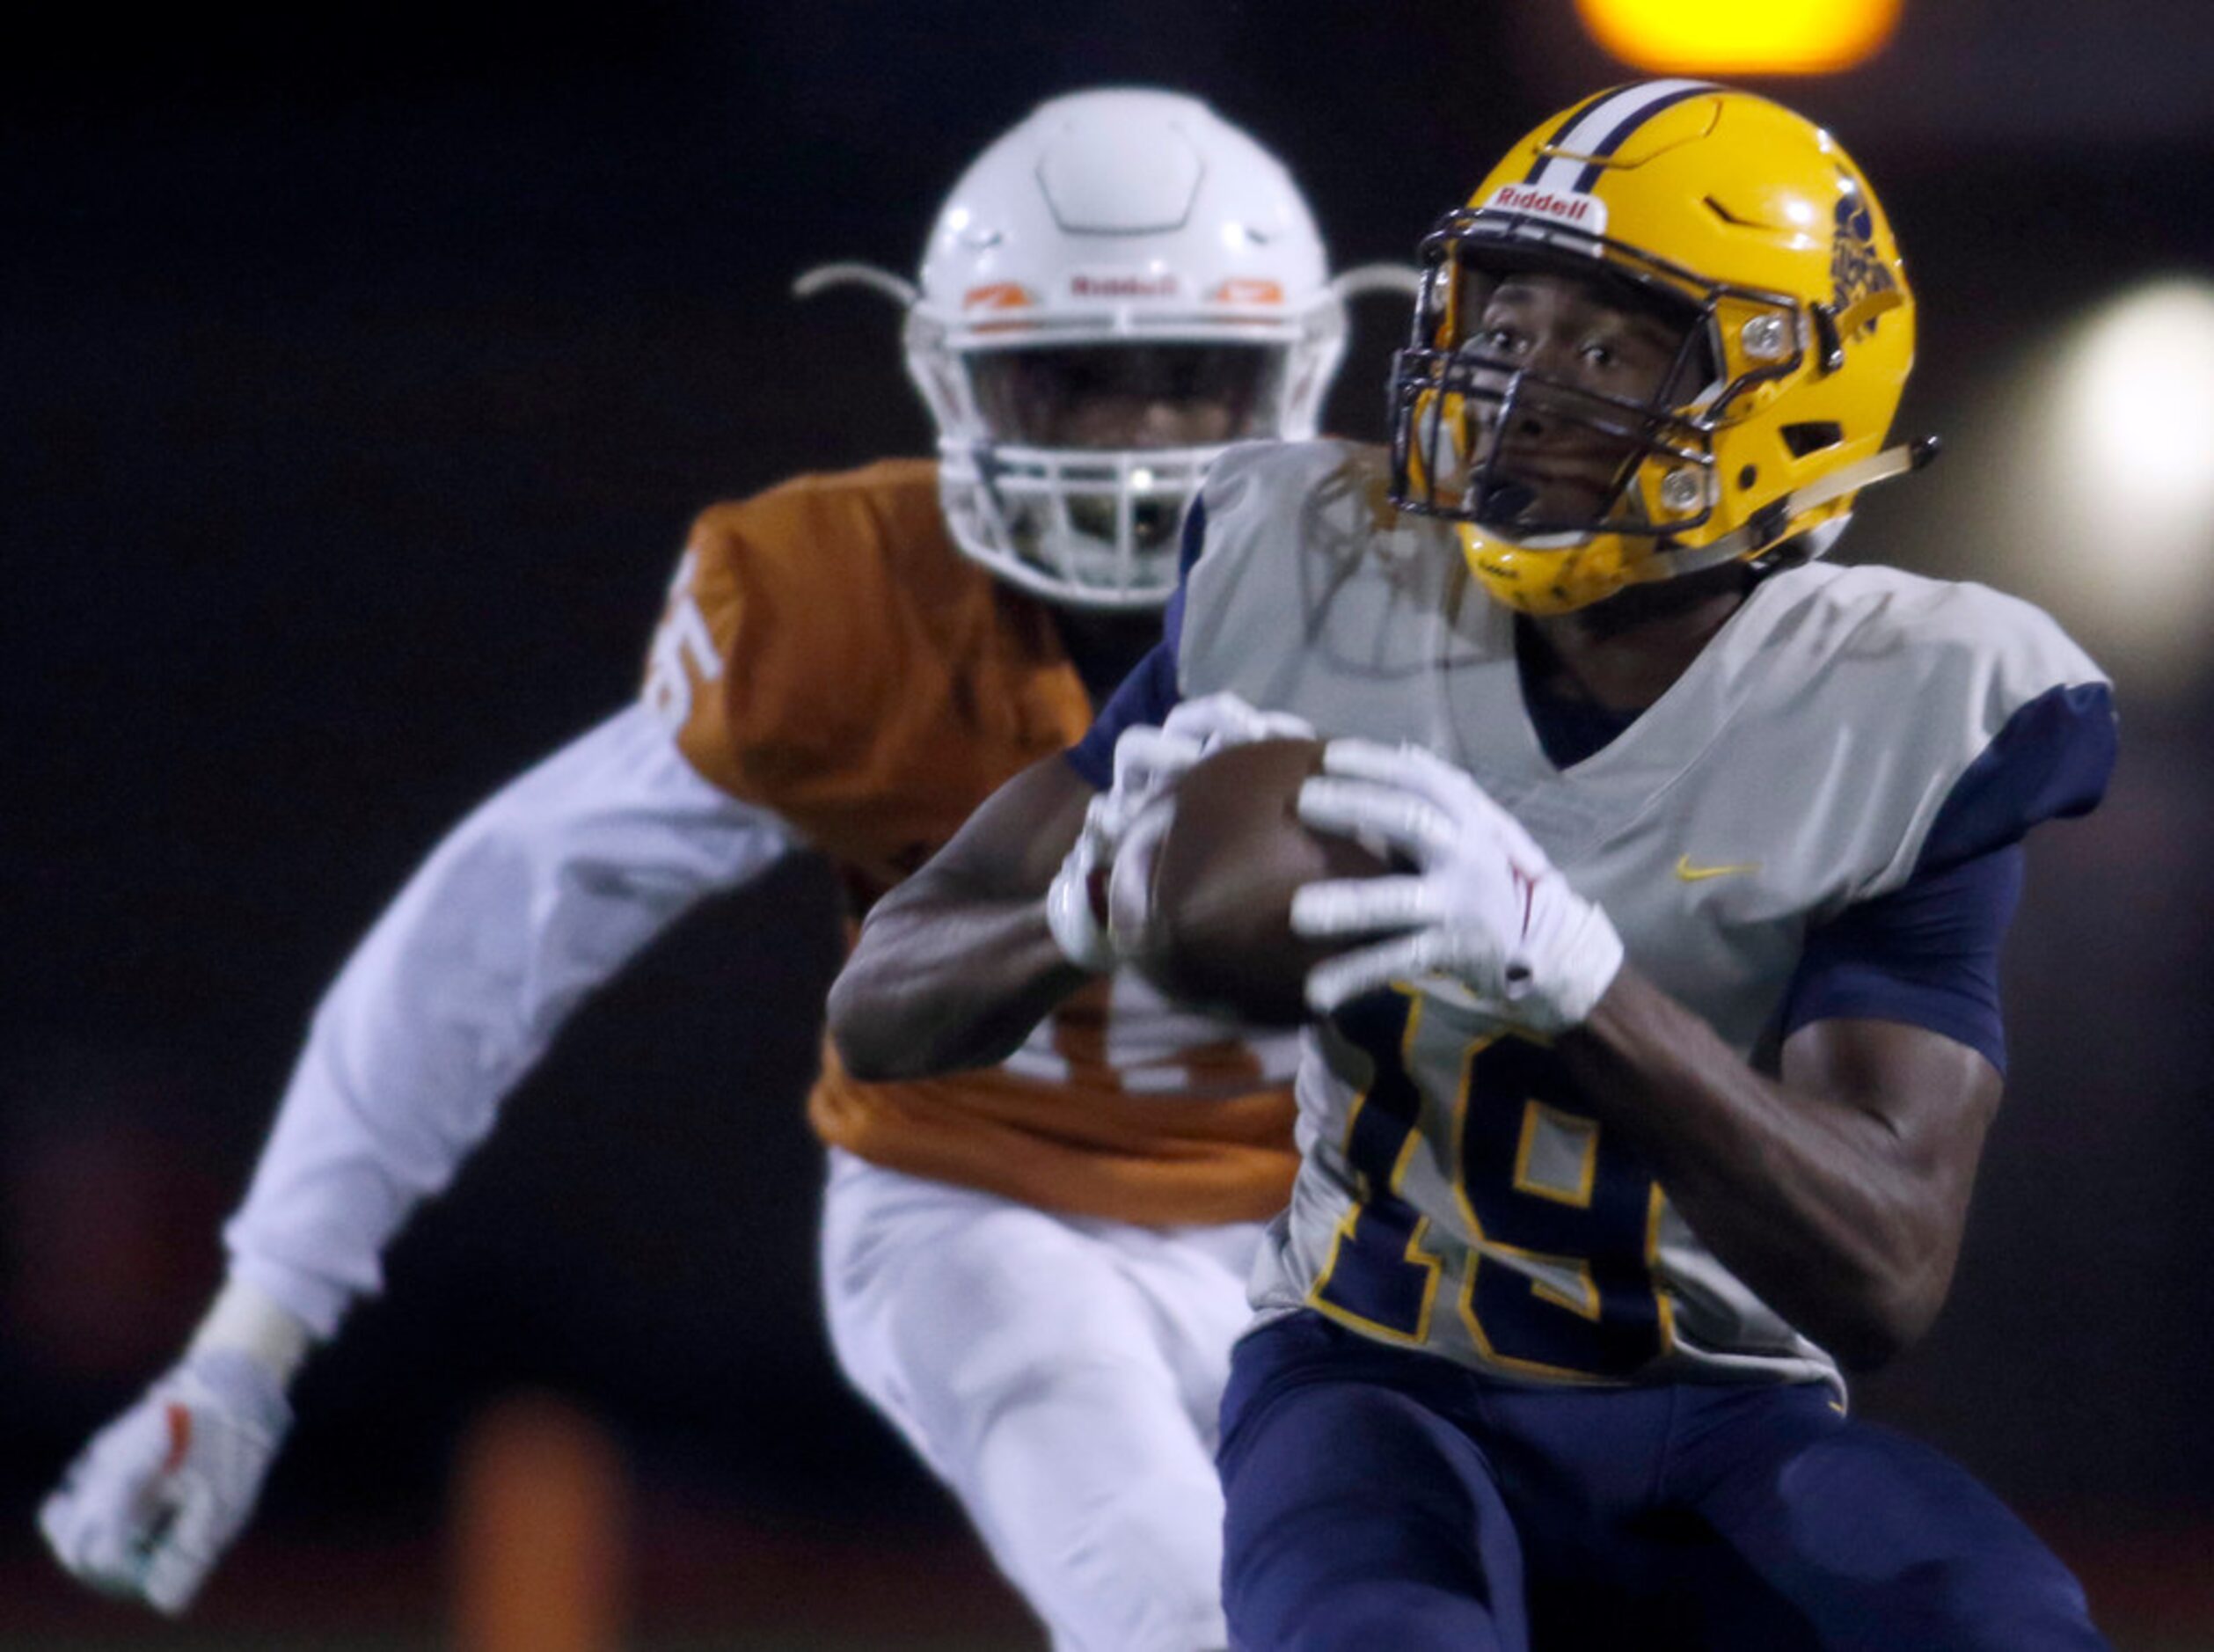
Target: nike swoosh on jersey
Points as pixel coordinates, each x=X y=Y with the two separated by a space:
x=1691 y=873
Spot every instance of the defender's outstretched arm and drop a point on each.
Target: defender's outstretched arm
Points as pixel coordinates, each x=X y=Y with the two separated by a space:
x=528 y=907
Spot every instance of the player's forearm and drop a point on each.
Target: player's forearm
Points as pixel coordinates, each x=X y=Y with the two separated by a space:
x=1842 y=1223
x=956 y=966
x=943 y=981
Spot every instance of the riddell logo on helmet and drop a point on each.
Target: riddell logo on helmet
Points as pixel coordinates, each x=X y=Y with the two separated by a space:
x=1123 y=284
x=1571 y=207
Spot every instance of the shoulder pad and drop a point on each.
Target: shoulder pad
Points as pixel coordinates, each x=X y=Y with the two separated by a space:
x=2016 y=719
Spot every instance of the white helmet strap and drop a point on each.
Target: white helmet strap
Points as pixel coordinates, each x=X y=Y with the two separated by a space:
x=823 y=277
x=1757 y=535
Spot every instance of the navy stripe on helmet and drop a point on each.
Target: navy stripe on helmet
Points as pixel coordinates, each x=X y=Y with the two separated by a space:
x=1620 y=136
x=1567 y=127
x=1600 y=126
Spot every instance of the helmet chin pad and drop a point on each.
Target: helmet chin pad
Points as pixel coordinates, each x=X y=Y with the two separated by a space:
x=1086 y=530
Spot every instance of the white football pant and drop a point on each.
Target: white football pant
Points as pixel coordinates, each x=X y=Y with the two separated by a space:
x=1061 y=1375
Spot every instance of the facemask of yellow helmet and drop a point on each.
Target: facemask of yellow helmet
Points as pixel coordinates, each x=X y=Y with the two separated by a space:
x=1668 y=332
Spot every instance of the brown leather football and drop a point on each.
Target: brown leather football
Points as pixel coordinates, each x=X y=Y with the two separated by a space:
x=1223 y=876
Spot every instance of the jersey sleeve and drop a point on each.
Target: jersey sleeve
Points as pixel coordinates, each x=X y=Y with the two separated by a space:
x=784 y=654
x=530 y=904
x=2050 y=760
x=1926 y=953
x=829 y=655
x=1980 y=719
x=1150 y=692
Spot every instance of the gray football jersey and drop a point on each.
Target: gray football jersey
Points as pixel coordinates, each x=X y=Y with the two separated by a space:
x=1455 y=1194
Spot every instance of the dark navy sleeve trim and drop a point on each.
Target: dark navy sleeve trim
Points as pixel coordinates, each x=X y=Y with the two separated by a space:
x=2052 y=759
x=1146 y=696
x=1194 y=536
x=1150 y=692
x=1926 y=954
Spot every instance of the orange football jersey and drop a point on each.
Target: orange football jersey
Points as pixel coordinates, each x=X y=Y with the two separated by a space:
x=830 y=656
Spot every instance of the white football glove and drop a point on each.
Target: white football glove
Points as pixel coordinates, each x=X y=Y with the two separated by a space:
x=1147 y=761
x=151 y=1505
x=1487 y=917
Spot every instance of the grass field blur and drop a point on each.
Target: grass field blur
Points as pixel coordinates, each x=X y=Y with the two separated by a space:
x=532 y=1554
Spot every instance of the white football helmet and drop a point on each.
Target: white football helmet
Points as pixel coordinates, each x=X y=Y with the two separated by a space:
x=1115 y=291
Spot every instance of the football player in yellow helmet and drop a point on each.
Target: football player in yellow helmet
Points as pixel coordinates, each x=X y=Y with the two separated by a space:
x=1750 y=237
x=1645 y=1094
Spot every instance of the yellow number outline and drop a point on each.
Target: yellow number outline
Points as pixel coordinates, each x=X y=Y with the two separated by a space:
x=1482 y=1247
x=1348 y=1224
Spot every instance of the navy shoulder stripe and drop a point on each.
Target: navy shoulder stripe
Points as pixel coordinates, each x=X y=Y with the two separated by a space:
x=2051 y=760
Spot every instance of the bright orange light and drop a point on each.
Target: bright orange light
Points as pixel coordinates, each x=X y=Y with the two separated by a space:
x=1742 y=36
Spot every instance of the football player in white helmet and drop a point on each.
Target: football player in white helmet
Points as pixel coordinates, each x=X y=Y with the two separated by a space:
x=1097 y=320
x=1034 y=1271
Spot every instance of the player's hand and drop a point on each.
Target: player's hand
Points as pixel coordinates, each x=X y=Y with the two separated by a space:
x=1147 y=761
x=1484 y=911
x=152 y=1502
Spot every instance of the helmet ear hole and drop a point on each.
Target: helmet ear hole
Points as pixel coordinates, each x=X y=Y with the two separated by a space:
x=1811 y=436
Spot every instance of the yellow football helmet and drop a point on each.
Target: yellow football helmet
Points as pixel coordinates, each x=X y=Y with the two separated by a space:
x=1720 y=211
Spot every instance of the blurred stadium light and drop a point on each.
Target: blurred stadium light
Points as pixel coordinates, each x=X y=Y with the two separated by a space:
x=2052 y=75
x=2100 y=450
x=538 y=1525
x=2138 y=405
x=1742 y=36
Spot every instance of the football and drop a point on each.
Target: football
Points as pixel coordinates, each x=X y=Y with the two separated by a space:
x=1221 y=876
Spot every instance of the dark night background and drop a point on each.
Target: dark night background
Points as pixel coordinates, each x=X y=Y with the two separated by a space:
x=360 y=368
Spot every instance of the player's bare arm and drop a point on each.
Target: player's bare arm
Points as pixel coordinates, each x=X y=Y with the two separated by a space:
x=955 y=964
x=1838 y=1191
x=1009 y=918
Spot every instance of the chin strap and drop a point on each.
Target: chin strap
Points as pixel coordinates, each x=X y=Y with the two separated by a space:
x=823 y=277
x=1766 y=528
